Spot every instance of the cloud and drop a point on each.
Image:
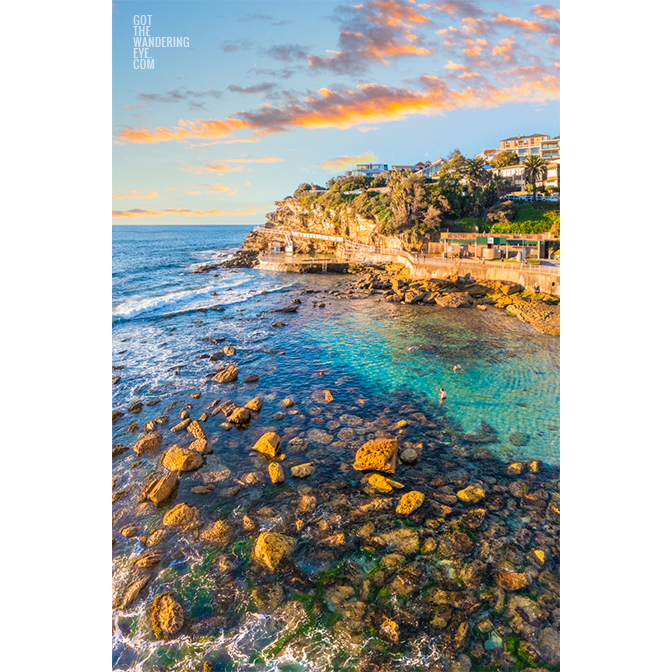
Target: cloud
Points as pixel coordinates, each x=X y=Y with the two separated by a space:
x=461 y=9
x=255 y=17
x=134 y=193
x=254 y=88
x=177 y=96
x=220 y=188
x=222 y=166
x=138 y=212
x=375 y=32
x=515 y=22
x=198 y=129
x=230 y=46
x=547 y=12
x=287 y=52
x=343 y=162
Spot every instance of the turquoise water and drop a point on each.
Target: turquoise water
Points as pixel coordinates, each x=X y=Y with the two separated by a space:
x=383 y=363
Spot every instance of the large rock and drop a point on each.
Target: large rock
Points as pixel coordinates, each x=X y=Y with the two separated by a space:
x=410 y=502
x=227 y=375
x=472 y=493
x=268 y=444
x=132 y=590
x=194 y=428
x=378 y=455
x=455 y=300
x=240 y=416
x=148 y=444
x=276 y=473
x=255 y=404
x=271 y=548
x=182 y=515
x=181 y=459
x=167 y=616
x=403 y=540
x=510 y=580
x=549 y=646
x=217 y=533
x=159 y=488
x=302 y=470
x=201 y=446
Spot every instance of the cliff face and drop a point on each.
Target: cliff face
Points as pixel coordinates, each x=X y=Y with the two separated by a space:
x=291 y=215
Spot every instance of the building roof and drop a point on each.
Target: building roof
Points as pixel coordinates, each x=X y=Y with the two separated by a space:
x=523 y=137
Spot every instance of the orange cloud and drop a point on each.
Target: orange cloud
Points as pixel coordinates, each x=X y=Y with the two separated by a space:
x=137 y=212
x=504 y=48
x=197 y=129
x=222 y=167
x=220 y=188
x=392 y=13
x=134 y=193
x=532 y=26
x=547 y=12
x=342 y=162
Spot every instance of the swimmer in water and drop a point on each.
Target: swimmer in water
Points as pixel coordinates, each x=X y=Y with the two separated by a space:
x=456 y=367
x=442 y=395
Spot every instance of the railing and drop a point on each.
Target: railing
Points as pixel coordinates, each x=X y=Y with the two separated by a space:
x=359 y=249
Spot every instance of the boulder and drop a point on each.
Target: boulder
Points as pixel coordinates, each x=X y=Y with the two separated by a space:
x=132 y=590
x=240 y=416
x=276 y=473
x=410 y=502
x=302 y=470
x=510 y=581
x=472 y=493
x=148 y=444
x=378 y=455
x=201 y=446
x=255 y=404
x=217 y=533
x=408 y=456
x=288 y=402
x=268 y=444
x=181 y=426
x=194 y=428
x=272 y=548
x=381 y=484
x=167 y=616
x=181 y=459
x=159 y=488
x=455 y=300
x=182 y=515
x=251 y=379
x=227 y=375
x=229 y=350
x=549 y=646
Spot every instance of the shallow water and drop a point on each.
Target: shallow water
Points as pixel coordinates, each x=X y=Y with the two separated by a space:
x=383 y=363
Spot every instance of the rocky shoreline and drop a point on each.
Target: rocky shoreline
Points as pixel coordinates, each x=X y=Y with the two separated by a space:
x=388 y=526
x=392 y=282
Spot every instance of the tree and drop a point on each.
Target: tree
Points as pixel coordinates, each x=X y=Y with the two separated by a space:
x=535 y=171
x=410 y=205
x=505 y=158
x=474 y=172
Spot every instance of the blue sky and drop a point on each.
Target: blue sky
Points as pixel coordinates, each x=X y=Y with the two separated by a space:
x=272 y=94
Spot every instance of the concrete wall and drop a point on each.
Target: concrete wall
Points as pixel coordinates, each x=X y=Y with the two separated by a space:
x=511 y=272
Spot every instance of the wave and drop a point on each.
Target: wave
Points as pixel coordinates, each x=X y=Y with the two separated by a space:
x=189 y=300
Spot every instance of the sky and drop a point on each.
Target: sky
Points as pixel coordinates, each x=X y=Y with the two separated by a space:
x=269 y=95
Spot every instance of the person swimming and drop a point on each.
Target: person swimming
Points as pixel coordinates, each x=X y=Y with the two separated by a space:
x=456 y=367
x=442 y=395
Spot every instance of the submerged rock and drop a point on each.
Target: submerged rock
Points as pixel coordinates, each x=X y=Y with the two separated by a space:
x=472 y=493
x=148 y=444
x=167 y=616
x=302 y=470
x=276 y=473
x=217 y=533
x=410 y=502
x=182 y=515
x=510 y=581
x=272 y=548
x=240 y=416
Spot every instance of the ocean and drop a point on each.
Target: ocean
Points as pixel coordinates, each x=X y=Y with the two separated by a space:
x=383 y=363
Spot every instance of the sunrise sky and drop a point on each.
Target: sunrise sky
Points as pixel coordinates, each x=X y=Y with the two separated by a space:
x=272 y=94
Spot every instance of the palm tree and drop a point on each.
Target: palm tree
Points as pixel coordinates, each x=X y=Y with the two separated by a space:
x=535 y=171
x=475 y=173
